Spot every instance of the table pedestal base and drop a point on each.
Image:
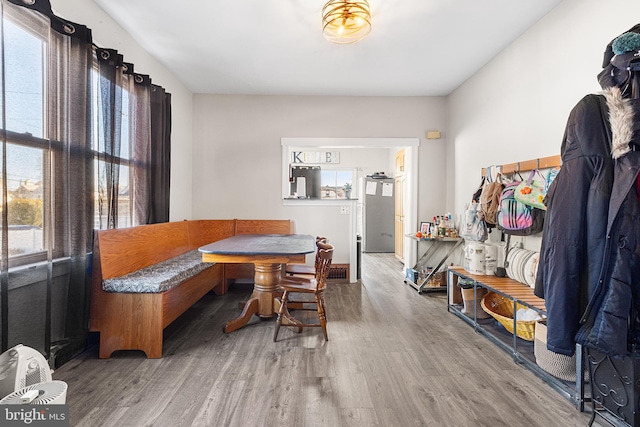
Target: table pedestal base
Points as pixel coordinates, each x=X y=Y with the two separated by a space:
x=263 y=302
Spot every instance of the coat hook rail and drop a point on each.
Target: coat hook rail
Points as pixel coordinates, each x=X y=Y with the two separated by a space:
x=529 y=165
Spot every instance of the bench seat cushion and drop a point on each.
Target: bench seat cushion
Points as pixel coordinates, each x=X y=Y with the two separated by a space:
x=159 y=277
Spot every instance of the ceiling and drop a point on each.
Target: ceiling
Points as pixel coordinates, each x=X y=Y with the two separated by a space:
x=276 y=47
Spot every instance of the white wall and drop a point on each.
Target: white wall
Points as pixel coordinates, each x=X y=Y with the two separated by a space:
x=513 y=109
x=108 y=34
x=516 y=107
x=237 y=152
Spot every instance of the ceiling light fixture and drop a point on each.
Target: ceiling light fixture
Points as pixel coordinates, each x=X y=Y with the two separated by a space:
x=346 y=21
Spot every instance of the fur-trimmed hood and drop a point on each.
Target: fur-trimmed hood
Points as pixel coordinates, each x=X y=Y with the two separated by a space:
x=621 y=117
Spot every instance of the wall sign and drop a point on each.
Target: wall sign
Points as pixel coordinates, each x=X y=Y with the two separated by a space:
x=301 y=157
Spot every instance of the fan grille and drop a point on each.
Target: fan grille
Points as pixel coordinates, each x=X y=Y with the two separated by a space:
x=34 y=376
x=51 y=391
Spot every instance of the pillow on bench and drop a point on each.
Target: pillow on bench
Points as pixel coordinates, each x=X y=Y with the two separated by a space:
x=159 y=277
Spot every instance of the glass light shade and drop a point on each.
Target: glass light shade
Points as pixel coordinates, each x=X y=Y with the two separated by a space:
x=345 y=21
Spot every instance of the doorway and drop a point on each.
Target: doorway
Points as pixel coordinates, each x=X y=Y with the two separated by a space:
x=345 y=224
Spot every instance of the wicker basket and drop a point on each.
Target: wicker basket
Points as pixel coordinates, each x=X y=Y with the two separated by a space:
x=558 y=365
x=501 y=309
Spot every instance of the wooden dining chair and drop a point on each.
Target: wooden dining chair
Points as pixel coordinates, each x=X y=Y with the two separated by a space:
x=303 y=269
x=299 y=285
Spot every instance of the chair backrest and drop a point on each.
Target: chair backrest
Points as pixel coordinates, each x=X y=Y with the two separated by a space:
x=325 y=256
x=319 y=241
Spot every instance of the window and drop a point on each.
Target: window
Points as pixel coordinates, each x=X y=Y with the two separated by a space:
x=336 y=184
x=27 y=150
x=116 y=165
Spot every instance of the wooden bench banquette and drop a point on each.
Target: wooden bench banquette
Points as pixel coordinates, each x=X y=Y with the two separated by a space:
x=144 y=277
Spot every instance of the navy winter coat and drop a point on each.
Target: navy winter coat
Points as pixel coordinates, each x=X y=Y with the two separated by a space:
x=573 y=238
x=612 y=312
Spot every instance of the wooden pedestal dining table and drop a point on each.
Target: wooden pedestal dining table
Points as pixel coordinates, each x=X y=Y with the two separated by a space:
x=267 y=252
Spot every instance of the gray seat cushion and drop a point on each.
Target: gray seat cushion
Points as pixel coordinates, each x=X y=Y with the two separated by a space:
x=159 y=277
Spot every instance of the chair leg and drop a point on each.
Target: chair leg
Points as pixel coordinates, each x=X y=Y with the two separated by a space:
x=283 y=302
x=324 y=307
x=284 y=317
x=321 y=315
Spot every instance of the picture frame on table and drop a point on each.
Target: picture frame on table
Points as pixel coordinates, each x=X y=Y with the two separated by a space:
x=424 y=227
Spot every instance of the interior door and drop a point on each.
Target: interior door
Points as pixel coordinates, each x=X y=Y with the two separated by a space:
x=399 y=206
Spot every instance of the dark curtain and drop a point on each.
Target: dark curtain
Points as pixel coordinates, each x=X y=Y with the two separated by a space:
x=134 y=143
x=70 y=135
x=160 y=155
x=103 y=154
x=108 y=128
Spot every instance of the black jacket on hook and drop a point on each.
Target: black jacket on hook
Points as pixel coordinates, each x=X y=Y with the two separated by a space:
x=573 y=238
x=611 y=317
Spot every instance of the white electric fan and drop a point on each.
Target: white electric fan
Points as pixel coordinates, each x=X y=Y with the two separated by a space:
x=22 y=366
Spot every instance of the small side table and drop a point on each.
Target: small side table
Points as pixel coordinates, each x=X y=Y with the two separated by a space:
x=420 y=284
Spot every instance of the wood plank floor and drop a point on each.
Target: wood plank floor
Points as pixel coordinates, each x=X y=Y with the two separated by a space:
x=394 y=358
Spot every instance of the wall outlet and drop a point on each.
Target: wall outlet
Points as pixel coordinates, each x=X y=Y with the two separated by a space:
x=344 y=210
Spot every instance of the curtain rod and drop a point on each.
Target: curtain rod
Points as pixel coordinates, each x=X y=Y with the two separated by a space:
x=529 y=165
